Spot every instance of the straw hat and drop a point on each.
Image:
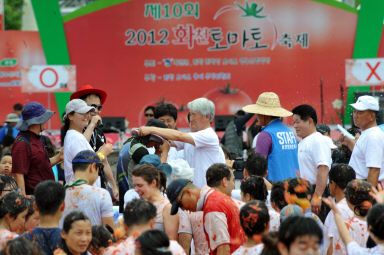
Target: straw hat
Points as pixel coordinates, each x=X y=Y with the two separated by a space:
x=268 y=104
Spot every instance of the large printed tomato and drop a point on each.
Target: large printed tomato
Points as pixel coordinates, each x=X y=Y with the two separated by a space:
x=228 y=100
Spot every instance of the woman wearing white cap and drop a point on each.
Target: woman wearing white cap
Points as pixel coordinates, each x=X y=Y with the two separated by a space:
x=76 y=118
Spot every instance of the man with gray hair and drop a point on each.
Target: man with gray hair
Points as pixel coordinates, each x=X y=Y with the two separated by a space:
x=201 y=145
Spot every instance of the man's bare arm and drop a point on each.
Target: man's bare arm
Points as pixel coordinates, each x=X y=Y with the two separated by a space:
x=170 y=134
x=185 y=241
x=373 y=176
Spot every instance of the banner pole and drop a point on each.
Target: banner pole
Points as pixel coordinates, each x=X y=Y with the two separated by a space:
x=49 y=108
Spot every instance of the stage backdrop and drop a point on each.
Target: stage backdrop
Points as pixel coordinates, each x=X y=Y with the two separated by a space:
x=145 y=52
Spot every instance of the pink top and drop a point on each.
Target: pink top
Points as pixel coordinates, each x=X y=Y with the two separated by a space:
x=159 y=221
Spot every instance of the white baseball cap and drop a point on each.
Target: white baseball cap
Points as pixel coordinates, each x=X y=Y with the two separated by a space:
x=365 y=103
x=79 y=106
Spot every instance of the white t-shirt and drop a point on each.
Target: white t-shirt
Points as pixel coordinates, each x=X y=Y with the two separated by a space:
x=205 y=153
x=242 y=250
x=313 y=152
x=353 y=248
x=127 y=247
x=74 y=142
x=95 y=202
x=173 y=154
x=368 y=152
x=330 y=228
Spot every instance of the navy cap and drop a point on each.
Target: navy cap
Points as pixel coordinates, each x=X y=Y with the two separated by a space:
x=173 y=191
x=323 y=128
x=86 y=156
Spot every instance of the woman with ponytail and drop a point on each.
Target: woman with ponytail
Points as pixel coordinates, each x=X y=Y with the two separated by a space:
x=13 y=210
x=254 y=219
x=149 y=184
x=357 y=194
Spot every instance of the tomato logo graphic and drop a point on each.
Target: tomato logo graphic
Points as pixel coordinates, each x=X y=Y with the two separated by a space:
x=228 y=100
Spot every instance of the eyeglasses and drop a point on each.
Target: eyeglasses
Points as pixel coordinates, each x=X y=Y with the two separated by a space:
x=149 y=115
x=98 y=107
x=179 y=202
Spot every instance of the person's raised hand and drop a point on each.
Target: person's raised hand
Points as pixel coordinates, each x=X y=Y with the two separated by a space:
x=378 y=194
x=331 y=203
x=94 y=120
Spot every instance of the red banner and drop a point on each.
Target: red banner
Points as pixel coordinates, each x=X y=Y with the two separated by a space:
x=143 y=52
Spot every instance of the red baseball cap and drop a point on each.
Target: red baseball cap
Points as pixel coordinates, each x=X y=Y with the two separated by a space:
x=88 y=89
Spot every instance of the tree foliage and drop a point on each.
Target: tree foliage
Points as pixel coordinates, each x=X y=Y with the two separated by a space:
x=13 y=14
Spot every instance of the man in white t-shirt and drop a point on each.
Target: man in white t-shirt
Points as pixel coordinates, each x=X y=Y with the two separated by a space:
x=314 y=153
x=201 y=145
x=95 y=202
x=367 y=157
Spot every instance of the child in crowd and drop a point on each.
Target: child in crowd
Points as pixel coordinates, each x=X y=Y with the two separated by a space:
x=32 y=219
x=359 y=201
x=49 y=199
x=153 y=242
x=254 y=219
x=20 y=246
x=375 y=222
x=7 y=184
x=6 y=164
x=298 y=191
x=299 y=235
x=102 y=237
x=13 y=209
x=254 y=188
x=277 y=196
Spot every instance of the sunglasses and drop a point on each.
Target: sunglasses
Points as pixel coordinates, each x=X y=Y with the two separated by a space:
x=98 y=107
x=149 y=115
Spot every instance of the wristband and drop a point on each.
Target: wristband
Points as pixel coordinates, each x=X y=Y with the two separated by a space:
x=101 y=155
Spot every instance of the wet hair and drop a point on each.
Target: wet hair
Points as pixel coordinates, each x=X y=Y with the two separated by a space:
x=30 y=205
x=102 y=236
x=48 y=145
x=215 y=174
x=270 y=241
x=49 y=197
x=149 y=107
x=22 y=246
x=341 y=174
x=297 y=226
x=255 y=187
x=254 y=218
x=277 y=195
x=375 y=220
x=357 y=194
x=8 y=181
x=153 y=242
x=166 y=109
x=300 y=187
x=13 y=204
x=305 y=112
x=138 y=212
x=256 y=164
x=204 y=106
x=71 y=218
x=149 y=173
x=18 y=107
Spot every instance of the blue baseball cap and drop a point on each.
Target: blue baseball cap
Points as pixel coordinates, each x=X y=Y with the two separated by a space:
x=151 y=159
x=173 y=191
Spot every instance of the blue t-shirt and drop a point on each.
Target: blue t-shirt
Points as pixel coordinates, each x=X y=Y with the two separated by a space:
x=49 y=239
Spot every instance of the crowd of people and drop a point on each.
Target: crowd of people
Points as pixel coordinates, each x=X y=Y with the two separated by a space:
x=174 y=192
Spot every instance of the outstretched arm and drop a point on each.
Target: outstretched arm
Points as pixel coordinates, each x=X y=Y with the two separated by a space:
x=170 y=134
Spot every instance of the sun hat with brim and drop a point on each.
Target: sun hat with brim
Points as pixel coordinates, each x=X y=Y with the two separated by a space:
x=77 y=105
x=33 y=113
x=12 y=118
x=88 y=89
x=268 y=104
x=173 y=191
x=365 y=103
